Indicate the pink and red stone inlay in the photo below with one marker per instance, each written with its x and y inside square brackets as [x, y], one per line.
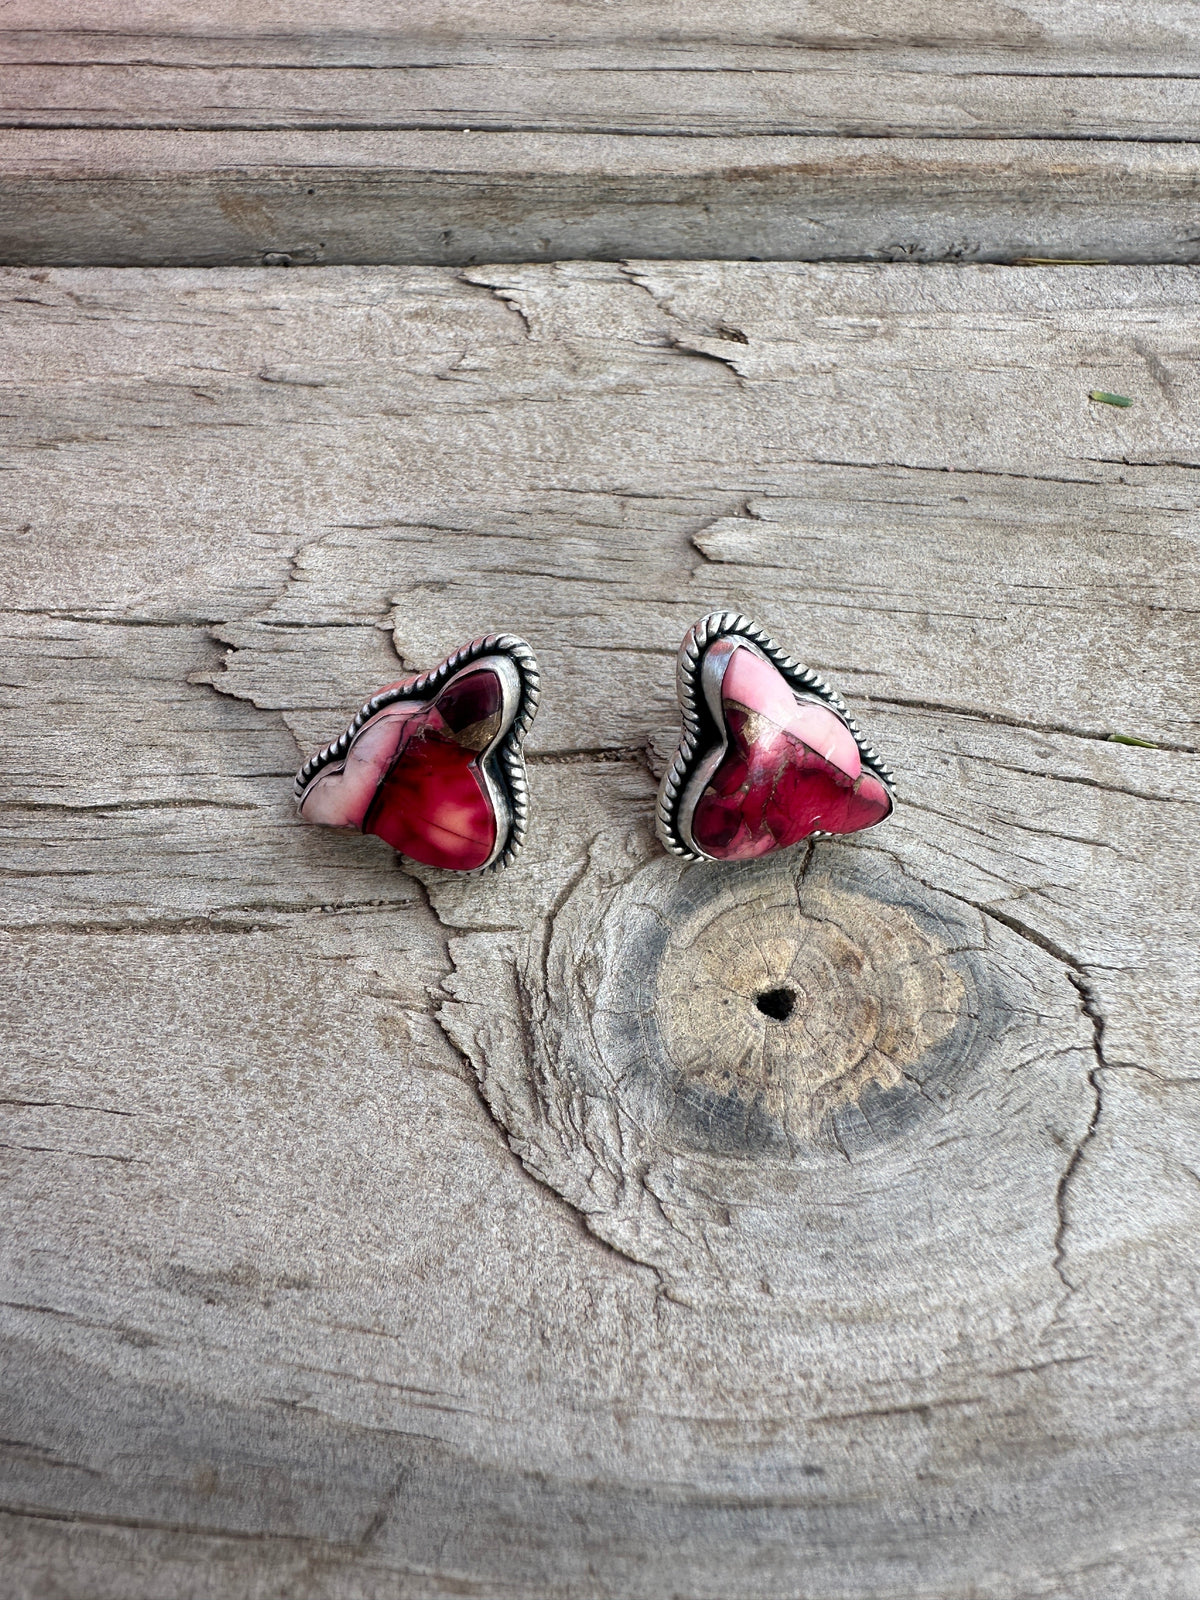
[791, 768]
[412, 775]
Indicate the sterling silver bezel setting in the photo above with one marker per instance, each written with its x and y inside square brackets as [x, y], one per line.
[502, 765]
[702, 737]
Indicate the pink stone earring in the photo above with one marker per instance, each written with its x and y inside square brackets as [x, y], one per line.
[433, 764]
[768, 756]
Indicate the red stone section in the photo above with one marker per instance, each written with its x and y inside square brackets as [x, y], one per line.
[412, 776]
[791, 769]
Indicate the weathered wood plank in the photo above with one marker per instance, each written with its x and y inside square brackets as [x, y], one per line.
[374, 33]
[210, 199]
[534, 92]
[164, 134]
[1062, 70]
[364, 1237]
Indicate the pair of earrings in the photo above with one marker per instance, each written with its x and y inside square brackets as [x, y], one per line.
[768, 756]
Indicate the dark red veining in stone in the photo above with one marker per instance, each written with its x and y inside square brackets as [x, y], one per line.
[792, 768]
[412, 776]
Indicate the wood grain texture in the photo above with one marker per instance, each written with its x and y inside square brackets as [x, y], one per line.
[172, 135]
[374, 1234]
[207, 199]
[204, 199]
[1030, 70]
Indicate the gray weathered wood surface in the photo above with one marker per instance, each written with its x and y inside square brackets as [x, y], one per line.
[733, 128]
[892, 68]
[371, 1234]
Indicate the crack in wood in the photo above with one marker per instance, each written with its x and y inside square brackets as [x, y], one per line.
[1091, 1009]
[1001, 719]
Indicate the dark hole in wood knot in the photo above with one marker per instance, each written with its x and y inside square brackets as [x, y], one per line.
[777, 1003]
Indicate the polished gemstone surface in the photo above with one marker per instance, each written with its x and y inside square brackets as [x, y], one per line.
[792, 768]
[412, 775]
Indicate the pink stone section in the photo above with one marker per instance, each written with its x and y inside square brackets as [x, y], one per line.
[754, 683]
[412, 776]
[340, 799]
[791, 769]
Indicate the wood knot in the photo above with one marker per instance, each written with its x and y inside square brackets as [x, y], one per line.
[751, 1074]
[778, 1002]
